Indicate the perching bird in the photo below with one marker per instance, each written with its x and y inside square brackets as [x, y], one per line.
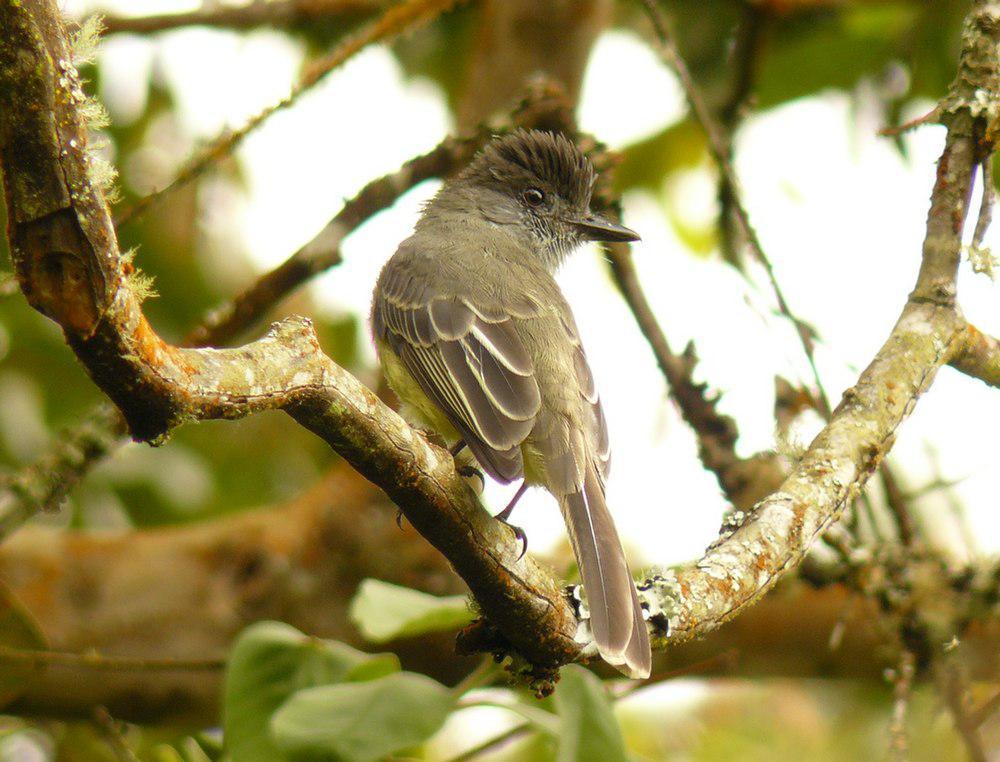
[477, 340]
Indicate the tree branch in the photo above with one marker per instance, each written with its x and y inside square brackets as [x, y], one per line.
[43, 485]
[250, 16]
[719, 148]
[747, 559]
[978, 355]
[394, 21]
[106, 592]
[744, 481]
[68, 265]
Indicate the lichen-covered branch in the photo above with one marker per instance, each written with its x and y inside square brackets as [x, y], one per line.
[68, 265]
[753, 553]
[978, 355]
[42, 485]
[249, 16]
[45, 483]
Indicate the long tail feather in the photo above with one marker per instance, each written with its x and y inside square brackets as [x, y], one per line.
[615, 615]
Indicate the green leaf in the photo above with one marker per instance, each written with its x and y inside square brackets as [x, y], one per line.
[647, 163]
[17, 630]
[589, 728]
[831, 49]
[385, 612]
[269, 662]
[361, 721]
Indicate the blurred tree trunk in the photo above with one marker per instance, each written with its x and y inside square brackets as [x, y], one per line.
[520, 39]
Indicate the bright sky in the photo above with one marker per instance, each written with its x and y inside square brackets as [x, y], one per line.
[840, 213]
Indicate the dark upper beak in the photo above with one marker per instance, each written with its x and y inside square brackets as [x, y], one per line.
[597, 228]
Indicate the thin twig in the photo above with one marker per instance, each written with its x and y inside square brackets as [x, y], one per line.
[744, 65]
[484, 672]
[393, 22]
[718, 148]
[44, 484]
[490, 744]
[898, 504]
[249, 16]
[101, 663]
[956, 695]
[902, 688]
[717, 433]
[985, 204]
[246, 309]
[113, 733]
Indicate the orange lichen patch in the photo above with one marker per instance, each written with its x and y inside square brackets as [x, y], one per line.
[151, 348]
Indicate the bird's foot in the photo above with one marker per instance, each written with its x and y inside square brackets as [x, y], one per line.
[504, 515]
[399, 517]
[520, 536]
[467, 472]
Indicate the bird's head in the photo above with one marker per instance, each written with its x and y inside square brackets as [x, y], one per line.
[539, 184]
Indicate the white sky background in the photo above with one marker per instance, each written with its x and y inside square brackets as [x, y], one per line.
[840, 212]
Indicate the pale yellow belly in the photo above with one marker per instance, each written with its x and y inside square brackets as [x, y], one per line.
[417, 406]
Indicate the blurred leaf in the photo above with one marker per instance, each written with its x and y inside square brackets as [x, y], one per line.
[589, 728]
[17, 630]
[269, 662]
[441, 51]
[362, 721]
[647, 163]
[825, 49]
[384, 612]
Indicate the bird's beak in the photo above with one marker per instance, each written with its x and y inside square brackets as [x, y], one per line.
[597, 228]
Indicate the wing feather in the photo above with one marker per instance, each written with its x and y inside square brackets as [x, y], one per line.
[471, 362]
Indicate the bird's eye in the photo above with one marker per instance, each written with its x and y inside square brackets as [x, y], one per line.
[533, 197]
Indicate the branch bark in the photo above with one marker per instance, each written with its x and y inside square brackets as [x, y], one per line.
[184, 593]
[978, 355]
[250, 16]
[43, 485]
[517, 40]
[68, 265]
[749, 557]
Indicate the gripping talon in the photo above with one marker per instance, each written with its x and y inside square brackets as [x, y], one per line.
[520, 535]
[470, 471]
[399, 518]
[505, 514]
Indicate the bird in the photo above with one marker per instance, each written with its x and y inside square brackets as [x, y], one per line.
[479, 343]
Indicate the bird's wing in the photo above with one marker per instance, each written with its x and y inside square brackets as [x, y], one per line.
[469, 360]
[600, 443]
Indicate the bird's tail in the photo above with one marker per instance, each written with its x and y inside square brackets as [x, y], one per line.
[615, 615]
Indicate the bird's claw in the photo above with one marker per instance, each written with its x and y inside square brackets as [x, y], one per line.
[469, 471]
[399, 517]
[522, 538]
